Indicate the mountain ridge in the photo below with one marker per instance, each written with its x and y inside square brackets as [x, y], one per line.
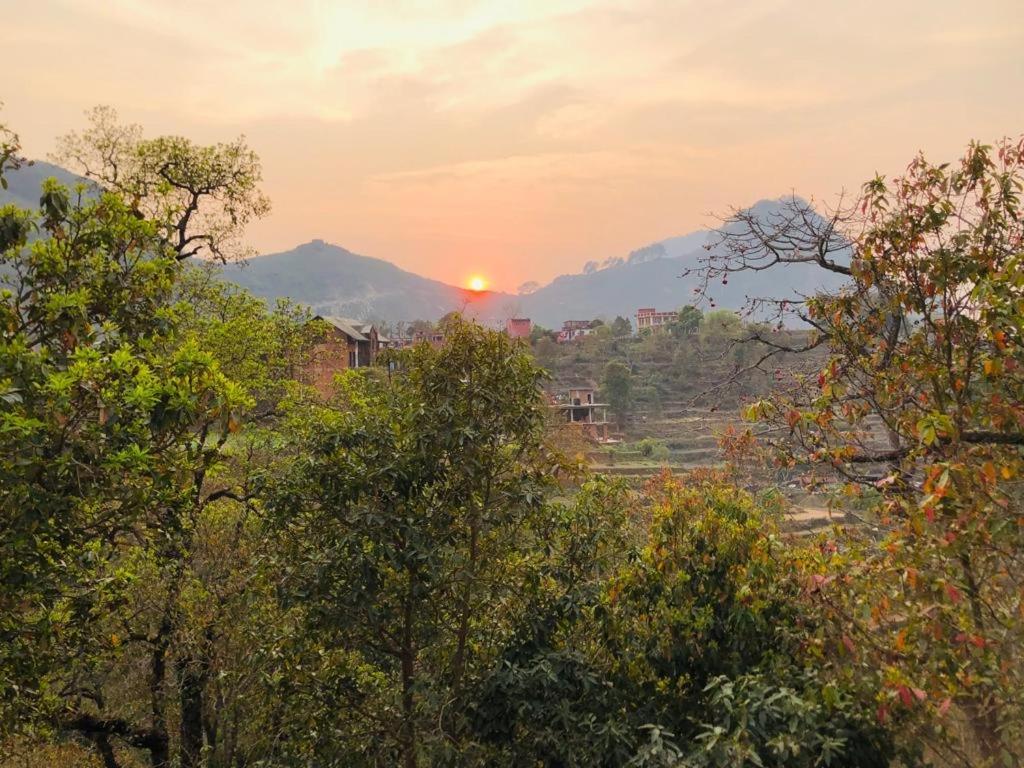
[331, 279]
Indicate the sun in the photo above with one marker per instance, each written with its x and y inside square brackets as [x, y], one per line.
[477, 283]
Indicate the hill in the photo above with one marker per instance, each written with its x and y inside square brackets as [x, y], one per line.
[25, 183]
[333, 280]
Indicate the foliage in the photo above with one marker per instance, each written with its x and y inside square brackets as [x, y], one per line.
[616, 386]
[408, 511]
[652, 449]
[689, 321]
[621, 327]
[922, 398]
[199, 197]
[102, 411]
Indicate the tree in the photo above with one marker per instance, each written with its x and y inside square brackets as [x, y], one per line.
[200, 197]
[408, 509]
[102, 409]
[921, 399]
[616, 386]
[688, 321]
[621, 327]
[10, 148]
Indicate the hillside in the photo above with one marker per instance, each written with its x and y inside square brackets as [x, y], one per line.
[336, 281]
[24, 184]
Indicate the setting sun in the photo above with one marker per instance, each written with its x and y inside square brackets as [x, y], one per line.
[477, 283]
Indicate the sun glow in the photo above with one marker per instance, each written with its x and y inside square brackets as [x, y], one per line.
[477, 283]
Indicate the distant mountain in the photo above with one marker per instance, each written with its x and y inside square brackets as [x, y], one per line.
[652, 276]
[24, 185]
[335, 281]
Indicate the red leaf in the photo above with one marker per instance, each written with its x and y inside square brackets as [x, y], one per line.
[905, 696]
[944, 706]
[953, 593]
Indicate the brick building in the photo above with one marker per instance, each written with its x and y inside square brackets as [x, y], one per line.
[345, 344]
[518, 327]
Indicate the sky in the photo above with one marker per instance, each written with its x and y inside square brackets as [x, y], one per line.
[518, 140]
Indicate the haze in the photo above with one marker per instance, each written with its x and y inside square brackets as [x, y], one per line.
[519, 140]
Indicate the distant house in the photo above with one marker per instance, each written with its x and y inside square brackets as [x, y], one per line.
[574, 329]
[518, 327]
[433, 338]
[580, 409]
[347, 344]
[650, 319]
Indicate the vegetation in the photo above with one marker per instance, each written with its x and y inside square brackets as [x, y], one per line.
[204, 563]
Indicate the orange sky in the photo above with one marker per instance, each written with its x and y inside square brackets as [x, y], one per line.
[520, 139]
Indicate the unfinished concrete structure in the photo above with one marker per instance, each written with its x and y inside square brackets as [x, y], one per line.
[580, 409]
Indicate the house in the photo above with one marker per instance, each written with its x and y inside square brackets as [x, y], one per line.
[650, 319]
[579, 408]
[518, 327]
[346, 344]
[574, 329]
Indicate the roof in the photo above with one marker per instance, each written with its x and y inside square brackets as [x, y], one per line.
[346, 326]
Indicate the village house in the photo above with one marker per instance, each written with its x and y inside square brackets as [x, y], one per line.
[518, 327]
[574, 329]
[580, 408]
[650, 319]
[346, 344]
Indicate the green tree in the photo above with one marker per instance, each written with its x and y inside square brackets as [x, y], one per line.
[102, 411]
[200, 197]
[621, 327]
[616, 386]
[688, 321]
[408, 509]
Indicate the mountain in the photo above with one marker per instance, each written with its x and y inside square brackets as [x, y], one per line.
[654, 276]
[335, 281]
[24, 184]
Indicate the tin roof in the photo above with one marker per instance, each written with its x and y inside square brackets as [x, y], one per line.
[351, 328]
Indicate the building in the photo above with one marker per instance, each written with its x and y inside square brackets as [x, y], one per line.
[518, 327]
[346, 344]
[650, 319]
[574, 329]
[580, 408]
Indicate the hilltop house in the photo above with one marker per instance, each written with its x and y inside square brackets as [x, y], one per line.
[518, 327]
[650, 319]
[346, 344]
[574, 329]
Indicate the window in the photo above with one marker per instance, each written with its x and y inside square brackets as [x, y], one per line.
[352, 359]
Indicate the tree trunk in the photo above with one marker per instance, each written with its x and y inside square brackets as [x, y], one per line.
[191, 684]
[408, 659]
[984, 715]
[106, 751]
[160, 750]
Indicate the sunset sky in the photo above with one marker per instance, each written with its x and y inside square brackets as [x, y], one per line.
[520, 139]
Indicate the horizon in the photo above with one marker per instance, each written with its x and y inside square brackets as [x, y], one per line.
[519, 143]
